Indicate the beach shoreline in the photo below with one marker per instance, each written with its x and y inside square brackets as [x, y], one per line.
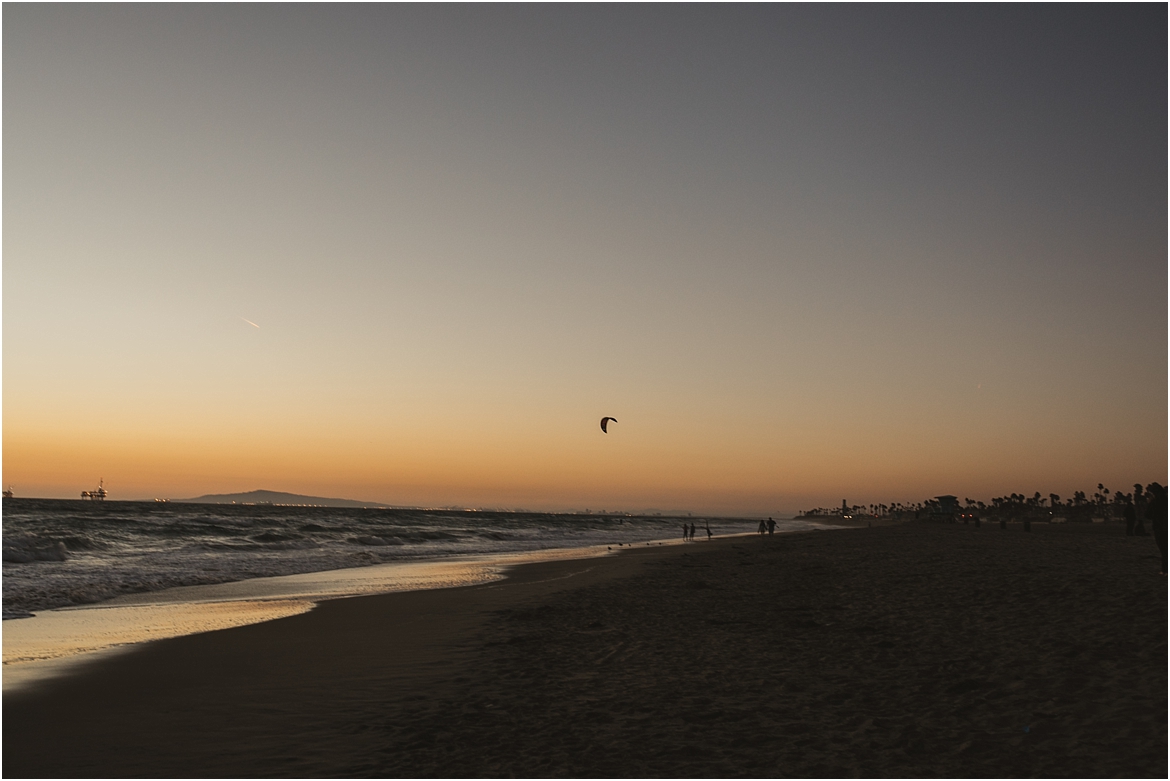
[51, 642]
[907, 650]
[66, 554]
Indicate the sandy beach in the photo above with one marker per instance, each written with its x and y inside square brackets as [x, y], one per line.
[908, 650]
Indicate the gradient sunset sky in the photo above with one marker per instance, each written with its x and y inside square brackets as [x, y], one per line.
[413, 254]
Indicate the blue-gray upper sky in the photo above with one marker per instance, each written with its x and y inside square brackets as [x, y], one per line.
[805, 251]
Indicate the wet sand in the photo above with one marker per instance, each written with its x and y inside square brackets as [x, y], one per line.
[910, 650]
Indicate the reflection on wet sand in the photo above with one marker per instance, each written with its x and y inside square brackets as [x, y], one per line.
[55, 640]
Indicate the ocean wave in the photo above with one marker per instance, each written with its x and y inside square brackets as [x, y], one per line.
[376, 541]
[25, 550]
[275, 536]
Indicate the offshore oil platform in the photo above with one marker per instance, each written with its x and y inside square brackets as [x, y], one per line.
[97, 494]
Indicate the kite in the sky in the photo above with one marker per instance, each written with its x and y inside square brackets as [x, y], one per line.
[605, 422]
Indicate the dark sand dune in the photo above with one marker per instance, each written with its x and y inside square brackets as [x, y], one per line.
[913, 650]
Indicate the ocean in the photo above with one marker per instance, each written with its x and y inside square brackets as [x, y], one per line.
[60, 553]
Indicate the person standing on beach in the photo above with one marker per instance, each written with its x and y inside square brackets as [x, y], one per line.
[708, 524]
[771, 526]
[686, 533]
[763, 528]
[1156, 512]
[692, 532]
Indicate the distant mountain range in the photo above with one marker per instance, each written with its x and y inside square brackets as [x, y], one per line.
[279, 497]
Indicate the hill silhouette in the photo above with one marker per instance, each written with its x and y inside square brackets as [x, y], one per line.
[279, 497]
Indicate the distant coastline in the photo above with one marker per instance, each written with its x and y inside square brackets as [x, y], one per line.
[280, 498]
[285, 499]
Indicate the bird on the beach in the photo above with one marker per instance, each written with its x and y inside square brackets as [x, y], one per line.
[604, 422]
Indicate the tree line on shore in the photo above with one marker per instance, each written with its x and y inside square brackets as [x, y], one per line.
[1103, 503]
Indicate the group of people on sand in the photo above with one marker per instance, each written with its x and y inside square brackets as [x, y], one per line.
[767, 527]
[689, 532]
[1134, 526]
[1156, 511]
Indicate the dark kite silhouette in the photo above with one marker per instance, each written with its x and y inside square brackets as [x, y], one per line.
[604, 422]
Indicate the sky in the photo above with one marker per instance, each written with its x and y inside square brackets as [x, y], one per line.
[412, 254]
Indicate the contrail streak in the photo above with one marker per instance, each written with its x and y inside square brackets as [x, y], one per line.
[249, 322]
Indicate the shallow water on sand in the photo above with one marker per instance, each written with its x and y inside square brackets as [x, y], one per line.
[55, 641]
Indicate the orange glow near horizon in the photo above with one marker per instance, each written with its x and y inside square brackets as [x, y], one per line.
[640, 465]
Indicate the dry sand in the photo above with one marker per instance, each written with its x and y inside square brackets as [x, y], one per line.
[912, 650]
